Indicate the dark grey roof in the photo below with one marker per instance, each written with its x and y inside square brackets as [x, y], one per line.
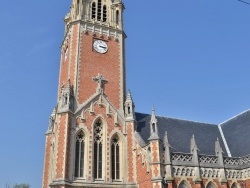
[180, 133]
[237, 134]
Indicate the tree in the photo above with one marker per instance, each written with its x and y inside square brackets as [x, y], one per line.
[21, 185]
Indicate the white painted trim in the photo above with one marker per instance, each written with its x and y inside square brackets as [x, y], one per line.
[224, 141]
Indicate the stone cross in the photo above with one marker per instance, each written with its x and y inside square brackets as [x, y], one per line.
[101, 81]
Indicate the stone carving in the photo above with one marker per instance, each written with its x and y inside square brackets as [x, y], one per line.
[144, 153]
[183, 171]
[182, 157]
[101, 81]
[231, 161]
[245, 160]
[208, 159]
[210, 173]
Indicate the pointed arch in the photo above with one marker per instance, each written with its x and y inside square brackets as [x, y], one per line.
[234, 185]
[104, 16]
[115, 156]
[117, 17]
[98, 148]
[210, 185]
[93, 13]
[79, 154]
[99, 10]
[184, 184]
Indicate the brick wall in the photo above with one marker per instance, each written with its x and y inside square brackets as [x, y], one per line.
[93, 63]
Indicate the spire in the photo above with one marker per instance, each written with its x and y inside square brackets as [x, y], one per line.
[153, 126]
[194, 150]
[166, 143]
[168, 167]
[218, 149]
[219, 154]
[129, 107]
[193, 146]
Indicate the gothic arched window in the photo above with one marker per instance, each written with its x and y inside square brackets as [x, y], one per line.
[99, 10]
[115, 157]
[79, 155]
[104, 13]
[93, 10]
[234, 185]
[98, 144]
[183, 184]
[117, 17]
[210, 185]
[153, 127]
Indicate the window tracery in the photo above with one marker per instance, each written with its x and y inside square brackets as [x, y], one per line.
[104, 13]
[98, 145]
[115, 157]
[210, 185]
[99, 10]
[183, 184]
[93, 10]
[234, 185]
[79, 154]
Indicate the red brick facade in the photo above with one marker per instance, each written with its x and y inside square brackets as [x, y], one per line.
[82, 101]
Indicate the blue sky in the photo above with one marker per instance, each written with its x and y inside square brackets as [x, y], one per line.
[188, 58]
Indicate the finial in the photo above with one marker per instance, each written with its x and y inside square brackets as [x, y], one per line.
[129, 97]
[153, 117]
[153, 126]
[193, 145]
[165, 142]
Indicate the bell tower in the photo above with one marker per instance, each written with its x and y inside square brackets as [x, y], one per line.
[90, 138]
[94, 45]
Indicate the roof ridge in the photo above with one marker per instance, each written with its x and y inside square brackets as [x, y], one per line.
[248, 110]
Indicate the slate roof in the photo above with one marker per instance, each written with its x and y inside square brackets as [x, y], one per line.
[180, 133]
[237, 134]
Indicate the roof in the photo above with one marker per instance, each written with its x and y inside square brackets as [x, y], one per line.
[180, 133]
[237, 134]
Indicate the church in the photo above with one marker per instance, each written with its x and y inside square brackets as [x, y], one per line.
[96, 139]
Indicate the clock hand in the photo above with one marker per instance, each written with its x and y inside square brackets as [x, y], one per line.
[104, 47]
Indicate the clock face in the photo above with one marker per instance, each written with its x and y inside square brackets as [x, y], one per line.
[100, 46]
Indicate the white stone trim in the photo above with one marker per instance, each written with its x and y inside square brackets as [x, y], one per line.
[224, 141]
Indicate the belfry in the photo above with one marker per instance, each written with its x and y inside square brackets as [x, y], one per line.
[96, 139]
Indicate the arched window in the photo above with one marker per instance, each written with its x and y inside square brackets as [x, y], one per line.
[117, 17]
[183, 184]
[115, 157]
[99, 10]
[79, 155]
[153, 126]
[98, 144]
[104, 13]
[234, 185]
[210, 185]
[93, 10]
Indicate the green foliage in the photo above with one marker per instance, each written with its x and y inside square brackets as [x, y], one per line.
[21, 186]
